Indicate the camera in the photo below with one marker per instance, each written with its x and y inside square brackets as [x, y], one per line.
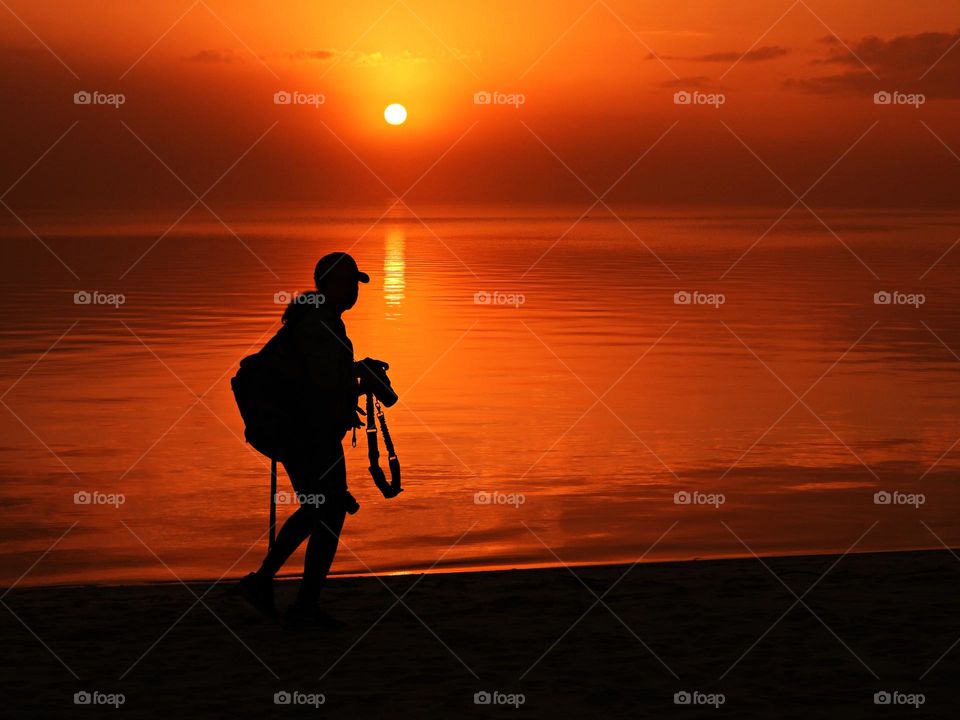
[373, 379]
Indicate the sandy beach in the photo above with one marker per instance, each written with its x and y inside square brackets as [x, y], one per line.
[537, 641]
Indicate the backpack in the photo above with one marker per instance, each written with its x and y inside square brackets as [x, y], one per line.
[265, 404]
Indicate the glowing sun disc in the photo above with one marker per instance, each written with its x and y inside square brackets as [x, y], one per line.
[395, 114]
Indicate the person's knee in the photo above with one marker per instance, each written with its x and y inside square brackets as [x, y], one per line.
[328, 520]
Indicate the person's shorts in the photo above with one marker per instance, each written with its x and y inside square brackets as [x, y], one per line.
[318, 472]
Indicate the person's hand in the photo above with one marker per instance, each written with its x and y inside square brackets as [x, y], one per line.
[357, 421]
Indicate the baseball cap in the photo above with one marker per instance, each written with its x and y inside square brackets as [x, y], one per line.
[338, 263]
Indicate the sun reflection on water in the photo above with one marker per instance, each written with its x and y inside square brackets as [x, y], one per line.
[394, 280]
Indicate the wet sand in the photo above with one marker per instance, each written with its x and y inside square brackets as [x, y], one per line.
[873, 623]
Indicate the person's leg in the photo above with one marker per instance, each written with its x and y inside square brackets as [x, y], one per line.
[301, 469]
[326, 520]
[294, 531]
[321, 549]
[307, 468]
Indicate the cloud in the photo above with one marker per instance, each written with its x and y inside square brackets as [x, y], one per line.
[357, 58]
[769, 52]
[928, 62]
[322, 55]
[353, 58]
[214, 56]
[900, 53]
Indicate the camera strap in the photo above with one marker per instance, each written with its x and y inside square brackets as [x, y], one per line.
[392, 488]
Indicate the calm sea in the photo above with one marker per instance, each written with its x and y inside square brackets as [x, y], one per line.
[598, 391]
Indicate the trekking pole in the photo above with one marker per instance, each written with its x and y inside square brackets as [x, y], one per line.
[273, 503]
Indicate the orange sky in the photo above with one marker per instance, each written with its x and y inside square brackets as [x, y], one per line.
[598, 81]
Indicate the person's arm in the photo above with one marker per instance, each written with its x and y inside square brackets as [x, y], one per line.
[324, 360]
[328, 361]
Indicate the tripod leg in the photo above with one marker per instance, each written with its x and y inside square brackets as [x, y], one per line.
[273, 502]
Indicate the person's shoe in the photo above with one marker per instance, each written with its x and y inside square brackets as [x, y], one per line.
[259, 594]
[299, 616]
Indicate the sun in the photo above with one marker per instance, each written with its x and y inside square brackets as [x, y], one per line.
[395, 114]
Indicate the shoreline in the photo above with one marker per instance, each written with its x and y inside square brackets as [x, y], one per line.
[294, 576]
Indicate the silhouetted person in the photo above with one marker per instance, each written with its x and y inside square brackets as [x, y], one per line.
[311, 358]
